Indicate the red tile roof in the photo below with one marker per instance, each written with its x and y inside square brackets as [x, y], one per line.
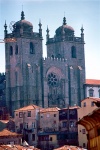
[53, 109]
[29, 107]
[96, 99]
[92, 81]
[5, 133]
[69, 147]
[18, 147]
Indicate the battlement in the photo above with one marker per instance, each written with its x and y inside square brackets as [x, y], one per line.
[55, 59]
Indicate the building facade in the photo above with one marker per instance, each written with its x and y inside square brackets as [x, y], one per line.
[91, 122]
[68, 129]
[92, 88]
[8, 137]
[26, 121]
[48, 128]
[54, 81]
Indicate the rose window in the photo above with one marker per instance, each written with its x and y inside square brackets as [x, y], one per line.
[52, 80]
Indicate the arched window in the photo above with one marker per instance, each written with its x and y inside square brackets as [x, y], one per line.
[32, 50]
[11, 50]
[73, 51]
[16, 49]
[91, 91]
[99, 93]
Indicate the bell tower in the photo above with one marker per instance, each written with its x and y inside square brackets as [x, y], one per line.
[23, 65]
[65, 72]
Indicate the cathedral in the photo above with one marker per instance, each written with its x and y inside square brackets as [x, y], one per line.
[57, 80]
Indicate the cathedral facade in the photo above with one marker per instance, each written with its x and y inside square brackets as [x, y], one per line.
[54, 81]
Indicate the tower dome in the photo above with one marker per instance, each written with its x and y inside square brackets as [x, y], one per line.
[64, 29]
[23, 24]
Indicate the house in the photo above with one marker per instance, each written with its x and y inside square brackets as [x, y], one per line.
[8, 137]
[91, 122]
[9, 124]
[92, 88]
[87, 106]
[48, 128]
[68, 133]
[26, 120]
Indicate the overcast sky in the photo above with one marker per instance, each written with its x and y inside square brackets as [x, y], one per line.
[51, 13]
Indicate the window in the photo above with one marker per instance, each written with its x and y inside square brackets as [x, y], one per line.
[64, 124]
[83, 131]
[20, 114]
[71, 124]
[16, 49]
[16, 114]
[11, 50]
[33, 137]
[33, 124]
[52, 80]
[41, 116]
[54, 121]
[32, 50]
[73, 51]
[99, 93]
[29, 114]
[92, 104]
[50, 138]
[48, 115]
[84, 145]
[84, 104]
[91, 92]
[27, 125]
[54, 115]
[21, 126]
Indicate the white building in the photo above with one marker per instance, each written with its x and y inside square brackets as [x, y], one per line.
[92, 88]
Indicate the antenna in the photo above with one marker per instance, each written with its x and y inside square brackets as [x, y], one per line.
[22, 7]
[64, 13]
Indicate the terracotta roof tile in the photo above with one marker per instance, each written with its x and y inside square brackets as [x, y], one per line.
[91, 98]
[19, 147]
[6, 132]
[72, 107]
[29, 107]
[69, 147]
[92, 81]
[53, 109]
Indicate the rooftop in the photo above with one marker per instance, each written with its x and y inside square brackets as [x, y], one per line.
[5, 133]
[53, 109]
[92, 81]
[95, 99]
[29, 107]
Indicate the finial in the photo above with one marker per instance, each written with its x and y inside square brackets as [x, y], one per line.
[22, 15]
[82, 29]
[40, 23]
[5, 25]
[47, 30]
[64, 20]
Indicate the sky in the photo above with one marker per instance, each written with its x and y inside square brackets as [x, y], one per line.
[78, 13]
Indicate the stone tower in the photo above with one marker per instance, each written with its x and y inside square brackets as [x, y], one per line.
[64, 68]
[23, 65]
